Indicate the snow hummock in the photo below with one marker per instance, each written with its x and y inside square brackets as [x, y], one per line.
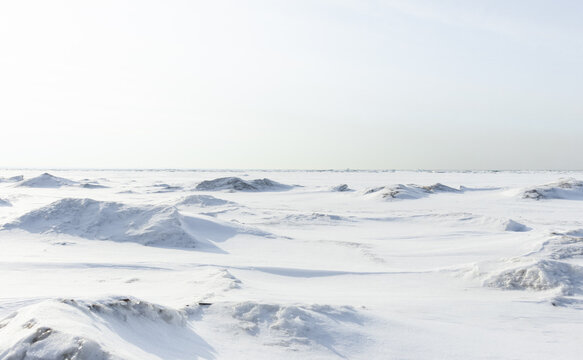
[238, 184]
[410, 191]
[563, 189]
[4, 202]
[91, 219]
[47, 180]
[541, 275]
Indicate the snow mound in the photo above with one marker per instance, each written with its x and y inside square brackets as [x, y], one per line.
[341, 188]
[91, 219]
[289, 325]
[511, 225]
[570, 189]
[5, 202]
[237, 184]
[47, 180]
[115, 328]
[203, 201]
[410, 191]
[542, 275]
[12, 179]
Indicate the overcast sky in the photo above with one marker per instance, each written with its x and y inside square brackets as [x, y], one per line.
[392, 84]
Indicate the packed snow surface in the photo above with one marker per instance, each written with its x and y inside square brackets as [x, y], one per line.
[146, 265]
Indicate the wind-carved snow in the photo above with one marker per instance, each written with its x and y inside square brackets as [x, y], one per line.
[569, 189]
[101, 220]
[4, 202]
[296, 325]
[238, 184]
[410, 191]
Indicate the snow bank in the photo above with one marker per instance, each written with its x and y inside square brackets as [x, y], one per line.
[91, 219]
[203, 201]
[289, 325]
[237, 184]
[570, 189]
[410, 191]
[47, 180]
[115, 328]
[541, 275]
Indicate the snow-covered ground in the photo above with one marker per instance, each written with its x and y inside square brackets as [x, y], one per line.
[290, 265]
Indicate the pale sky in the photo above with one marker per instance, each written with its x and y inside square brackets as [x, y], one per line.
[393, 84]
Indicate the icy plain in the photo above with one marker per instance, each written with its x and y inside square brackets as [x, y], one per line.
[290, 265]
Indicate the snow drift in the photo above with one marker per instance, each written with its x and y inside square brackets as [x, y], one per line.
[238, 184]
[91, 219]
[410, 191]
[5, 202]
[114, 328]
[562, 189]
[47, 180]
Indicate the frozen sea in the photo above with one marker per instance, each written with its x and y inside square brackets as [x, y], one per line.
[146, 265]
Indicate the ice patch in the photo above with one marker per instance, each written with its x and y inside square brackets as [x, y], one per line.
[237, 184]
[91, 219]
